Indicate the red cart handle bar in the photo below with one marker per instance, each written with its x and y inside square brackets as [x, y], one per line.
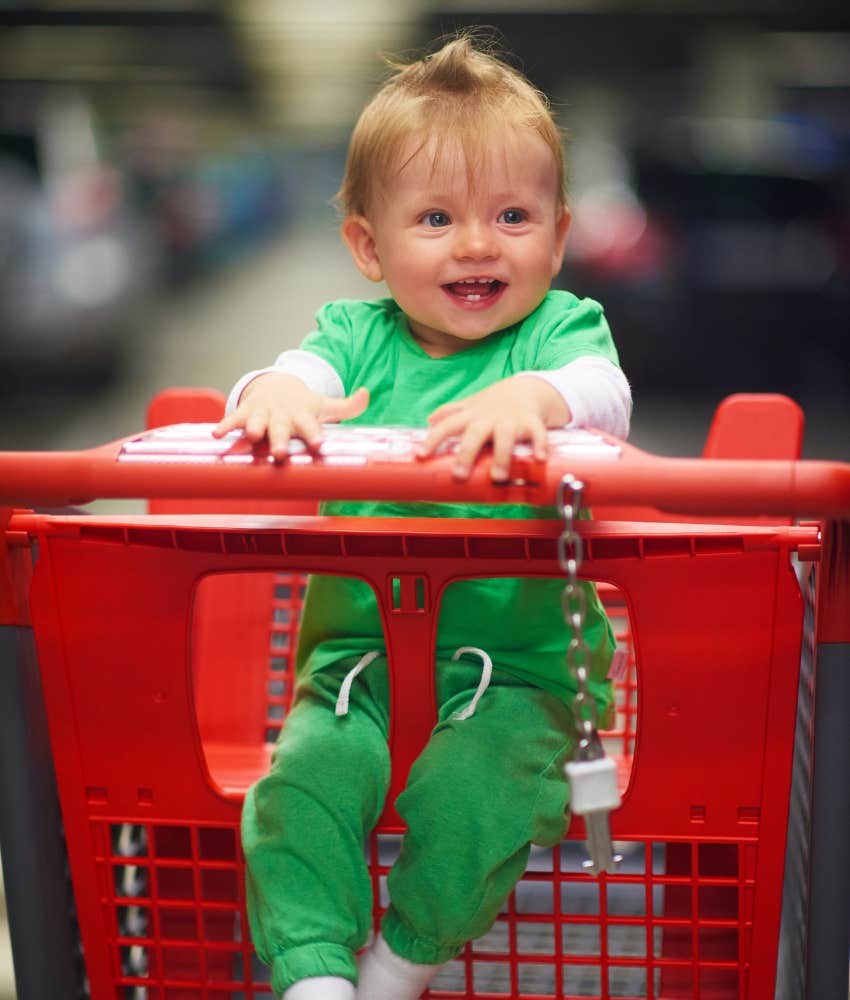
[362, 463]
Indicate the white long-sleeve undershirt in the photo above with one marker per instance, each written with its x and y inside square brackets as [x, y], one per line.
[594, 389]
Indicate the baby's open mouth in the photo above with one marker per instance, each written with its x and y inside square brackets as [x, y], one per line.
[475, 289]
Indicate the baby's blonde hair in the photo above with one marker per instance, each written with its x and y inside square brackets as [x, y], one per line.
[460, 92]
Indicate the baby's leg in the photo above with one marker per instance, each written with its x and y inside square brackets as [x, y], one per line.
[303, 826]
[481, 793]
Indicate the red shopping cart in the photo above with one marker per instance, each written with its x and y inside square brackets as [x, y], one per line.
[150, 767]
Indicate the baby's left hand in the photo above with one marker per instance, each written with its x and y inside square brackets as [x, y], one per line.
[513, 410]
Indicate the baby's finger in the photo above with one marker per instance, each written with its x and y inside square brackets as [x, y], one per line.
[279, 432]
[308, 428]
[439, 433]
[446, 410]
[472, 441]
[228, 423]
[504, 439]
[539, 440]
[257, 424]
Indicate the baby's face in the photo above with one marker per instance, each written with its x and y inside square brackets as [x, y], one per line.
[465, 260]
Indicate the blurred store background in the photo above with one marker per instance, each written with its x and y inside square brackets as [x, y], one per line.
[166, 168]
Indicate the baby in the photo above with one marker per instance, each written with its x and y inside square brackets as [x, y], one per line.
[454, 196]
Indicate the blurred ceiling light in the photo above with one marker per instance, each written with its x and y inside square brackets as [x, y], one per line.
[317, 61]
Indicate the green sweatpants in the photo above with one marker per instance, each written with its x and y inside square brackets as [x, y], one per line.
[482, 791]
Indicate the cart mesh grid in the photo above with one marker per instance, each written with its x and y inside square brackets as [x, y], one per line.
[175, 904]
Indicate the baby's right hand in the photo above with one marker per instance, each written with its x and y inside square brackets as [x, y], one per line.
[277, 406]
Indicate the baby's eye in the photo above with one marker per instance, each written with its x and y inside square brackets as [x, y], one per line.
[513, 216]
[436, 220]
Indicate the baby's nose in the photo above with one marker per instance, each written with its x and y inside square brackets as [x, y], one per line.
[475, 241]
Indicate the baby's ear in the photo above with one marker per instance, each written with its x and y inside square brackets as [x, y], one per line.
[562, 227]
[358, 237]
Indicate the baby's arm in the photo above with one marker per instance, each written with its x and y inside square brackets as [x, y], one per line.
[589, 391]
[278, 405]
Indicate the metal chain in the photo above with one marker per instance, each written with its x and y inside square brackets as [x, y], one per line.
[574, 603]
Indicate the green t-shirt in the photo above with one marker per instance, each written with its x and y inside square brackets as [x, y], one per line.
[519, 622]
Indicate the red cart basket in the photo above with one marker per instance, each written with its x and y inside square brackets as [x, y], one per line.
[163, 645]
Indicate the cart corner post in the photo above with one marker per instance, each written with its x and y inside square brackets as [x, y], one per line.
[829, 878]
[38, 894]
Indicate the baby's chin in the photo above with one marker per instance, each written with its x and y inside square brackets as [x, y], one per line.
[460, 328]
[440, 342]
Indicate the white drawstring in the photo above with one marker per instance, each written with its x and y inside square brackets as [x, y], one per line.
[364, 661]
[483, 684]
[345, 689]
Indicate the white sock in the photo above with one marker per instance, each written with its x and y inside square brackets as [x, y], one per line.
[383, 975]
[321, 988]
